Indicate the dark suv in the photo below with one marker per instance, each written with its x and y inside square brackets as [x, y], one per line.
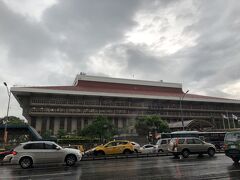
[190, 145]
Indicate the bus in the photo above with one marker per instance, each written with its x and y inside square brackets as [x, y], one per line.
[216, 138]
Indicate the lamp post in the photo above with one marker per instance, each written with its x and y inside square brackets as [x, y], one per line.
[6, 121]
[181, 99]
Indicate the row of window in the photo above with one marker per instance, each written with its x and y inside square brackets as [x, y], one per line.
[39, 146]
[122, 111]
[150, 105]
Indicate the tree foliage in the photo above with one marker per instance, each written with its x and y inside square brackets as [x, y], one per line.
[100, 128]
[61, 133]
[146, 124]
[12, 120]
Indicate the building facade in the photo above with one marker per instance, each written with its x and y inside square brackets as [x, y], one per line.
[120, 100]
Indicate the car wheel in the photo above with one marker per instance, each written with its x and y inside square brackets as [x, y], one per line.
[127, 151]
[235, 159]
[26, 162]
[185, 153]
[135, 150]
[70, 160]
[160, 151]
[211, 152]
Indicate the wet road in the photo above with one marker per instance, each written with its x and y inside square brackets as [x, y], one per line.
[165, 167]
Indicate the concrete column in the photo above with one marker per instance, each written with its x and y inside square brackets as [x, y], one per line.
[65, 124]
[74, 124]
[56, 125]
[48, 122]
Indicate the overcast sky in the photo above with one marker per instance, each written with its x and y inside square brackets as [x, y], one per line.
[48, 42]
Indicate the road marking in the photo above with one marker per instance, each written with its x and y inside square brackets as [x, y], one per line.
[37, 175]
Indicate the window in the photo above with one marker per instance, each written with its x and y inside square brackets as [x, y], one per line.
[27, 146]
[149, 146]
[164, 142]
[50, 146]
[181, 141]
[190, 141]
[34, 146]
[111, 144]
[122, 142]
[197, 141]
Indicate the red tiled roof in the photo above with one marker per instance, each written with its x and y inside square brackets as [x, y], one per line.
[104, 87]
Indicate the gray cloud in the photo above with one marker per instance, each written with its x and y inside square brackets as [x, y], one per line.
[53, 50]
[26, 41]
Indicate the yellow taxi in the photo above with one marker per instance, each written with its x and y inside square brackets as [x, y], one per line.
[114, 147]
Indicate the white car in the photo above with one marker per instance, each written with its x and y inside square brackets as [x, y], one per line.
[162, 145]
[136, 147]
[149, 148]
[34, 152]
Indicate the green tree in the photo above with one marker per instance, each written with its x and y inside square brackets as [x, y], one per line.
[61, 133]
[47, 134]
[146, 124]
[12, 120]
[100, 128]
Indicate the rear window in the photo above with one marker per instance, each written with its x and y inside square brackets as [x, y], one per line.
[164, 142]
[232, 137]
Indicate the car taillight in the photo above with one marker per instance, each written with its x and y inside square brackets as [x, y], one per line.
[14, 153]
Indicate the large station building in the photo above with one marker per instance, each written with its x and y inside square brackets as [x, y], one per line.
[122, 100]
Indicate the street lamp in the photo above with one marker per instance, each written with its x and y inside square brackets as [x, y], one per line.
[5, 129]
[181, 99]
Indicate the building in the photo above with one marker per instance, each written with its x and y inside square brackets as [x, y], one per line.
[121, 100]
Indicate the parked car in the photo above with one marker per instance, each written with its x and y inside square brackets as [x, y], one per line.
[136, 147]
[78, 147]
[148, 148]
[30, 153]
[190, 145]
[8, 158]
[232, 145]
[5, 153]
[115, 147]
[162, 145]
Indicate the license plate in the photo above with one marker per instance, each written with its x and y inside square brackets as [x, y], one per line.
[233, 147]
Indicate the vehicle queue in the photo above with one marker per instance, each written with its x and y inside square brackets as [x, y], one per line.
[30, 153]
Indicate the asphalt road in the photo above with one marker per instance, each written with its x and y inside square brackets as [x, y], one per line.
[164, 167]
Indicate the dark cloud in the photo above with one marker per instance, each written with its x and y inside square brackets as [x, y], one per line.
[88, 25]
[26, 41]
[73, 32]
